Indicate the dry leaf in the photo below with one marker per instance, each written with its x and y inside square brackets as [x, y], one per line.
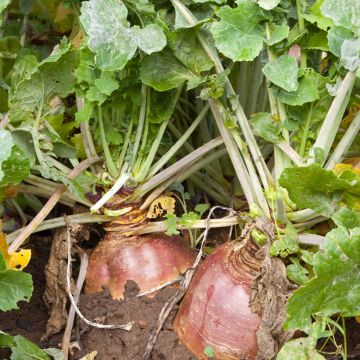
[161, 206]
[55, 295]
[15, 260]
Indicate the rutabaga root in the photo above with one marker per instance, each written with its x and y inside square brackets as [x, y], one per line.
[184, 284]
[126, 327]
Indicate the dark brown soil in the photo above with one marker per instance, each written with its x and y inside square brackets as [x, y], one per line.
[124, 345]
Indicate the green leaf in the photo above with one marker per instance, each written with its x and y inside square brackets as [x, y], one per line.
[3, 5]
[268, 4]
[316, 41]
[336, 37]
[187, 49]
[53, 77]
[171, 222]
[296, 272]
[266, 127]
[239, 35]
[188, 219]
[201, 208]
[345, 13]
[163, 71]
[111, 38]
[335, 288]
[287, 243]
[143, 6]
[14, 286]
[107, 83]
[314, 187]
[6, 142]
[283, 72]
[278, 33]
[299, 349]
[350, 54]
[16, 168]
[24, 349]
[347, 218]
[307, 90]
[162, 105]
[6, 340]
[315, 16]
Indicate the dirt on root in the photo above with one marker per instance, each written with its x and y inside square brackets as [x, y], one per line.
[129, 345]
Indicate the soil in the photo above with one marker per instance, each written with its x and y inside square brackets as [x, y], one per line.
[129, 345]
[30, 321]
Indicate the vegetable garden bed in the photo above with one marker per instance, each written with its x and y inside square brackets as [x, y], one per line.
[179, 179]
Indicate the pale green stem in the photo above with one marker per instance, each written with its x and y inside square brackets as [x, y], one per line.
[140, 126]
[210, 168]
[254, 88]
[119, 183]
[176, 168]
[301, 28]
[235, 156]
[113, 171]
[333, 119]
[38, 219]
[120, 161]
[291, 153]
[200, 164]
[84, 218]
[306, 132]
[252, 174]
[87, 138]
[344, 143]
[164, 159]
[242, 81]
[264, 172]
[145, 166]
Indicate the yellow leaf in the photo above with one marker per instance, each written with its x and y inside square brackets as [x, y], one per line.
[357, 318]
[15, 260]
[161, 206]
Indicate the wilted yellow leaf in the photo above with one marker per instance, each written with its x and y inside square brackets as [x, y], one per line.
[15, 260]
[90, 356]
[161, 206]
[357, 318]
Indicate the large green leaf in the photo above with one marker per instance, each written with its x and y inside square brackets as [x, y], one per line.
[112, 39]
[283, 72]
[315, 16]
[187, 49]
[163, 71]
[268, 4]
[266, 127]
[278, 33]
[336, 37]
[335, 287]
[239, 35]
[3, 5]
[307, 90]
[22, 349]
[314, 187]
[14, 286]
[52, 78]
[26, 350]
[6, 142]
[16, 168]
[350, 54]
[345, 13]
